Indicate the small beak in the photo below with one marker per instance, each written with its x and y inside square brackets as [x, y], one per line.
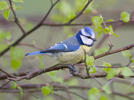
[94, 39]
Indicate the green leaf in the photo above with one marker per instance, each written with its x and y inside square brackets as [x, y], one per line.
[2, 36]
[92, 97]
[13, 85]
[18, 1]
[41, 61]
[15, 63]
[125, 16]
[103, 97]
[89, 8]
[131, 60]
[4, 61]
[106, 89]
[108, 65]
[16, 53]
[54, 77]
[6, 14]
[111, 74]
[29, 26]
[126, 71]
[72, 82]
[2, 46]
[46, 90]
[66, 10]
[98, 29]
[109, 30]
[93, 91]
[89, 60]
[7, 35]
[3, 5]
[97, 20]
[57, 18]
[92, 70]
[20, 90]
[101, 50]
[79, 5]
[126, 53]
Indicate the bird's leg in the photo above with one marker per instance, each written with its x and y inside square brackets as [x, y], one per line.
[72, 69]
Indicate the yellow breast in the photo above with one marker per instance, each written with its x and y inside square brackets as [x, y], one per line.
[86, 48]
[72, 57]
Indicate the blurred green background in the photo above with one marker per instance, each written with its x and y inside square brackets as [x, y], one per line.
[32, 12]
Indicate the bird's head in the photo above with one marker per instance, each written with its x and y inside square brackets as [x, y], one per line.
[86, 36]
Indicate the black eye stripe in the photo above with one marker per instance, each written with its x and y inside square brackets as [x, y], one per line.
[87, 36]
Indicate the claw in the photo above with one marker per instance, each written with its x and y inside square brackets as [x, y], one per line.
[72, 69]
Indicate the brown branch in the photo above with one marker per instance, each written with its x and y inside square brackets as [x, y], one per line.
[29, 75]
[30, 88]
[76, 94]
[1, 70]
[114, 51]
[85, 24]
[80, 13]
[61, 96]
[66, 24]
[15, 18]
[123, 95]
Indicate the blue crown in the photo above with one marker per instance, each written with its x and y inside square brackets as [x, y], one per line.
[88, 30]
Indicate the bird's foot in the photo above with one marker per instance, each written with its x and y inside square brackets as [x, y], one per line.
[72, 69]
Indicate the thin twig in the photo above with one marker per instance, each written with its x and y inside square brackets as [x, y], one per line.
[82, 24]
[123, 95]
[3, 85]
[114, 51]
[6, 73]
[15, 18]
[80, 13]
[29, 75]
[30, 31]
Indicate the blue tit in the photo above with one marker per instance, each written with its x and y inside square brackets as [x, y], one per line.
[71, 50]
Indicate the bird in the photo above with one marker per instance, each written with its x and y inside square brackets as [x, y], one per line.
[72, 50]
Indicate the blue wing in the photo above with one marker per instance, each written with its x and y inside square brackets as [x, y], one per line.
[61, 47]
[68, 45]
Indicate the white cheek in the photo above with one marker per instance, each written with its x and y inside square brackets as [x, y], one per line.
[83, 32]
[93, 35]
[86, 40]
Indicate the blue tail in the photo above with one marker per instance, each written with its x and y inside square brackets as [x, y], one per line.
[34, 53]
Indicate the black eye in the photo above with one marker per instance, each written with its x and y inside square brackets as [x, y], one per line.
[89, 37]
[94, 39]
